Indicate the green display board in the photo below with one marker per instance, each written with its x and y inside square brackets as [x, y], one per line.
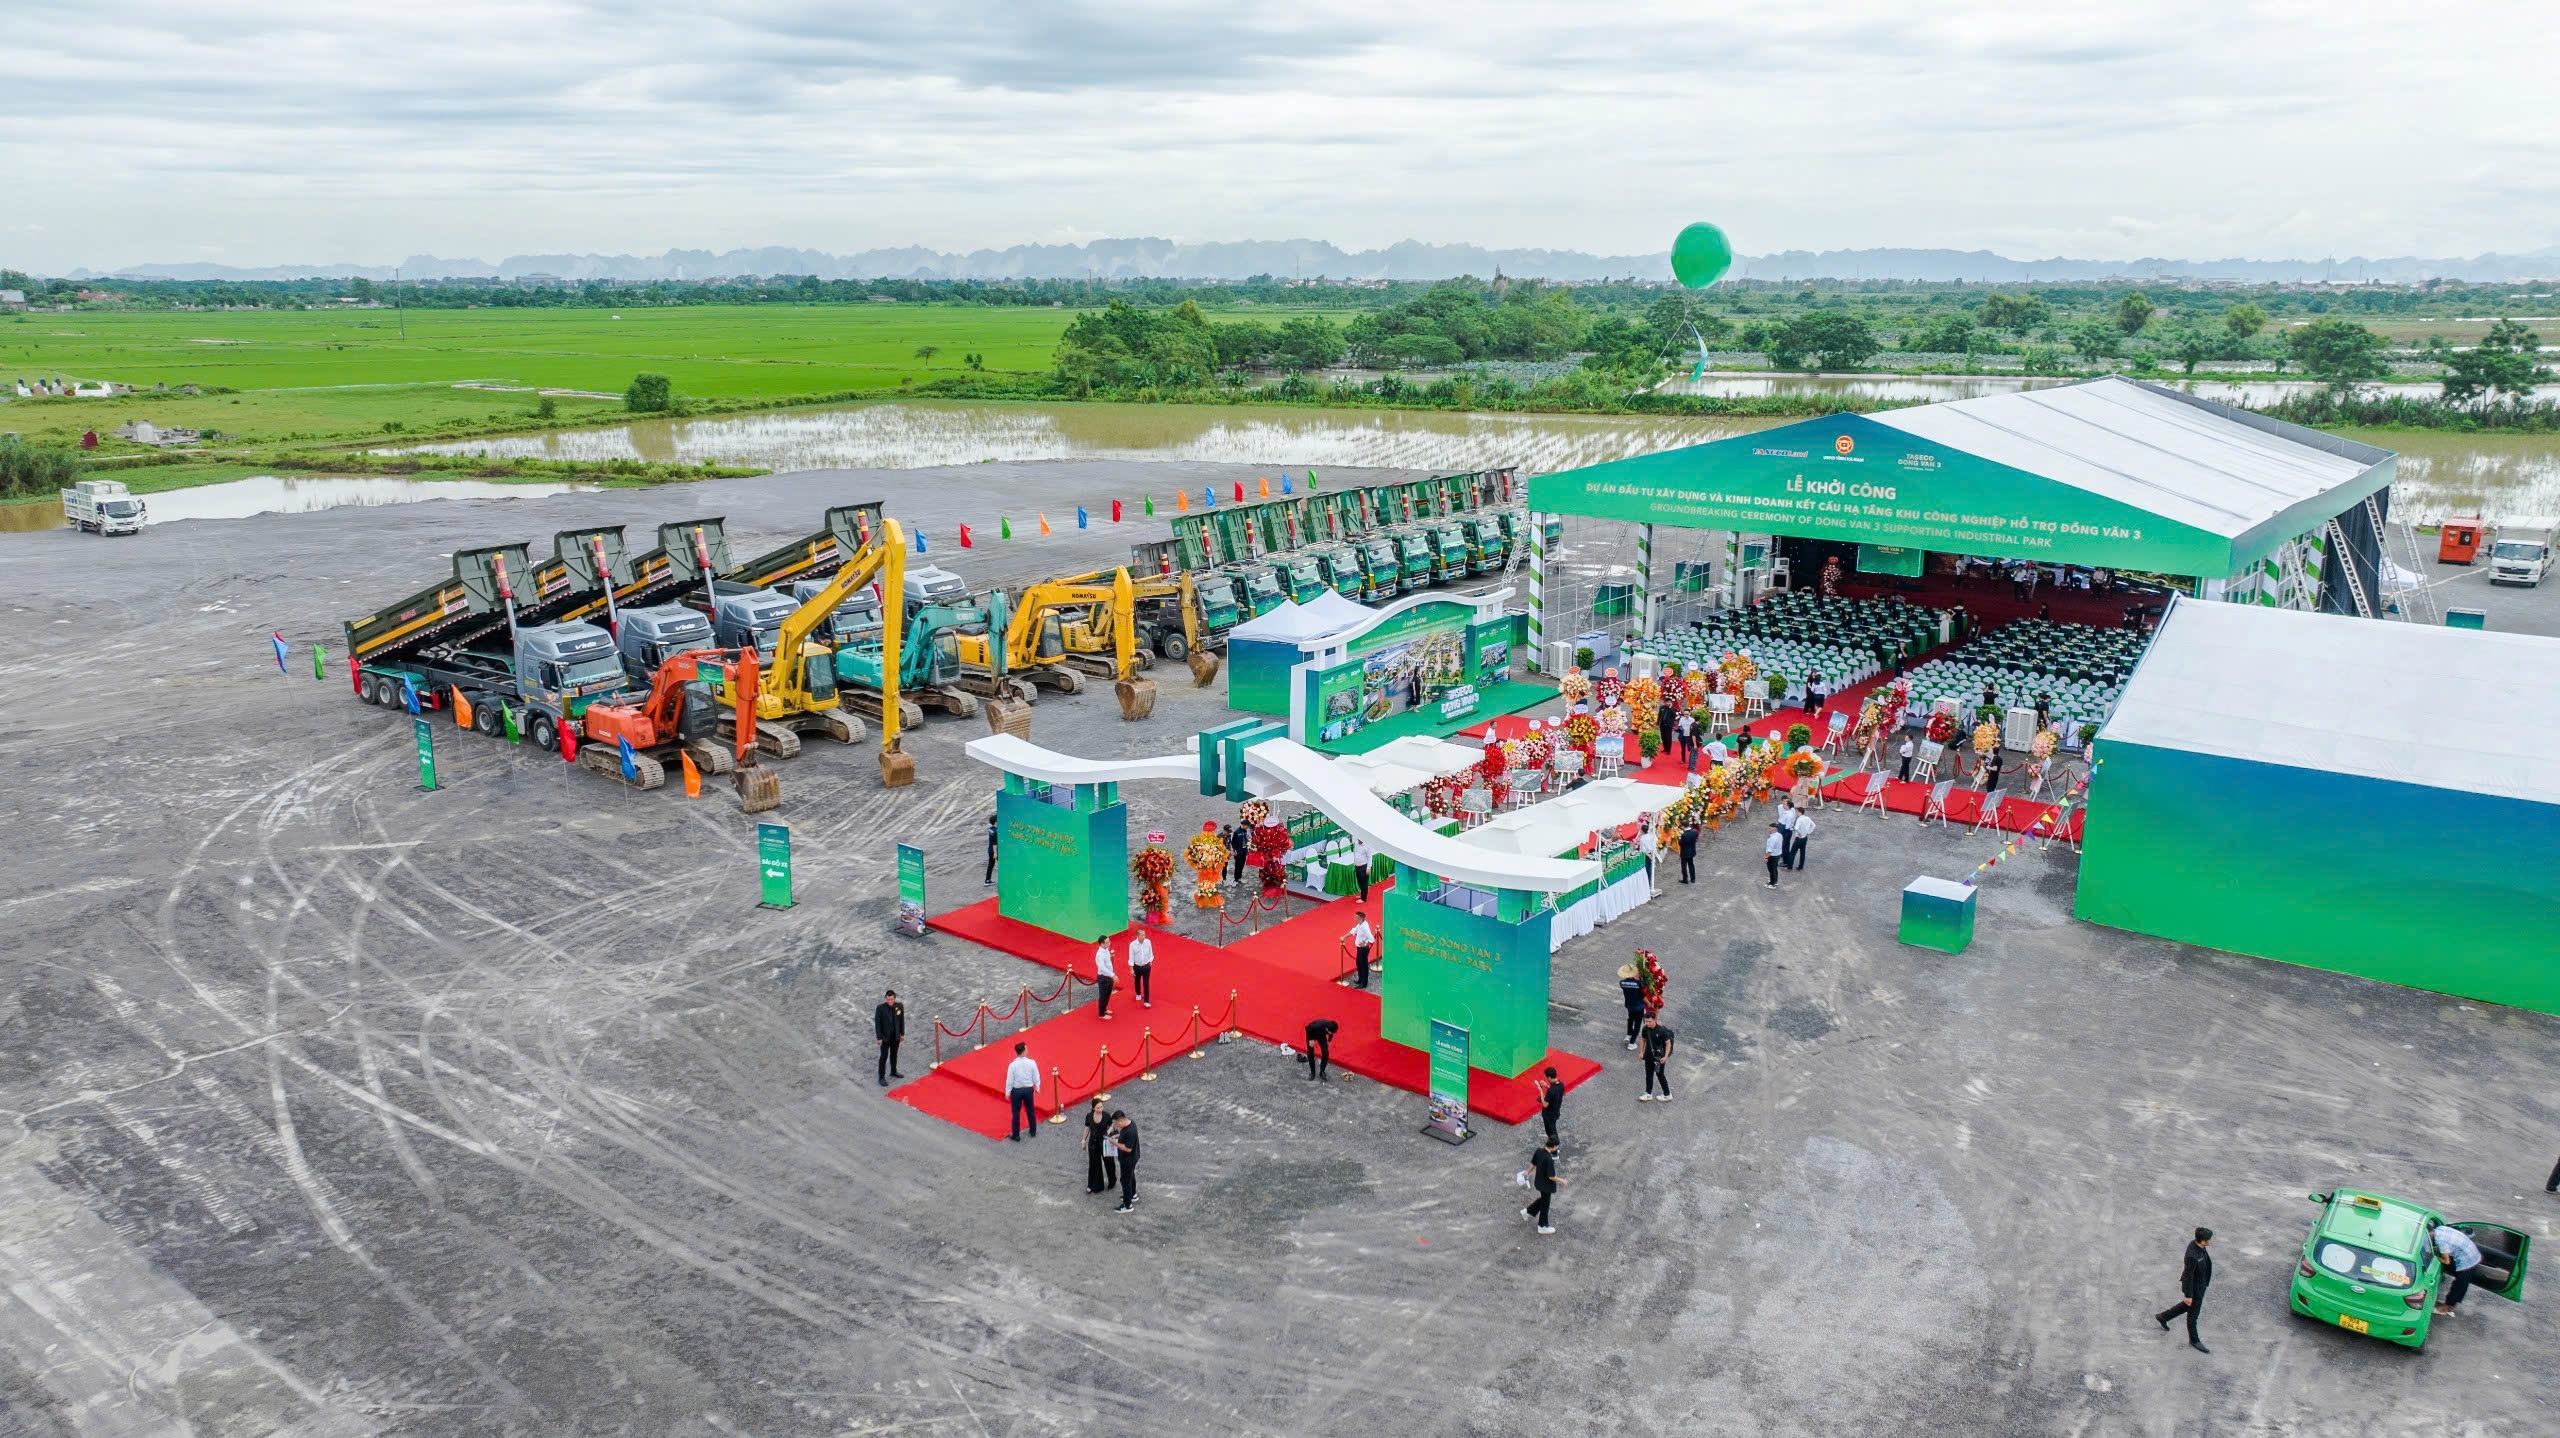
[1890, 559]
[911, 889]
[1448, 1096]
[773, 865]
[426, 756]
[1484, 972]
[1063, 867]
[1937, 914]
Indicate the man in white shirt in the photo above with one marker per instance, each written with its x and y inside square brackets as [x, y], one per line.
[1909, 749]
[1363, 940]
[1797, 836]
[1021, 1086]
[1360, 864]
[1775, 850]
[1105, 978]
[1142, 967]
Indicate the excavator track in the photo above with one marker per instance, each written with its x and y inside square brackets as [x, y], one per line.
[607, 760]
[711, 758]
[771, 738]
[1059, 677]
[866, 702]
[834, 723]
[958, 703]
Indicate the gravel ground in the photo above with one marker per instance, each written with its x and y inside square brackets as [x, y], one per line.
[338, 1108]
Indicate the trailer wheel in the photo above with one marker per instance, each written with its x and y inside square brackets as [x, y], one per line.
[386, 693]
[546, 735]
[484, 716]
[1172, 645]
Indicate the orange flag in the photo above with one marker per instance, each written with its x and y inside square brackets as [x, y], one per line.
[1182, 501]
[1266, 487]
[1044, 525]
[461, 711]
[692, 776]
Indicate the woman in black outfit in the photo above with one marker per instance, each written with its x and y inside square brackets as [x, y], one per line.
[1101, 1166]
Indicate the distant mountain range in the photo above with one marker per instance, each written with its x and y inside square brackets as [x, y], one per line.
[1410, 260]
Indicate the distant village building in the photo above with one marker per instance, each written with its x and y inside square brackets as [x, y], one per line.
[143, 431]
[14, 301]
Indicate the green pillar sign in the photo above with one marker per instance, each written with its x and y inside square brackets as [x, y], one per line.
[773, 864]
[426, 757]
[911, 886]
[1448, 1096]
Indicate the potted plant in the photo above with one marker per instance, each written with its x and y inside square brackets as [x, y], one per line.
[1583, 658]
[1799, 736]
[1649, 743]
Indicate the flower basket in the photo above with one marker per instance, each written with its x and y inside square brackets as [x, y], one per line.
[1152, 867]
[1986, 737]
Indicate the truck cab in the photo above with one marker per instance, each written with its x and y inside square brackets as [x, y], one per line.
[1260, 588]
[858, 612]
[2521, 556]
[1450, 559]
[1417, 552]
[1299, 577]
[745, 617]
[657, 633]
[1484, 542]
[1342, 569]
[1218, 612]
[1378, 555]
[102, 506]
[933, 584]
[562, 668]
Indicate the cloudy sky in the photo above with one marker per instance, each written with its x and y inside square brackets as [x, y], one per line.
[296, 131]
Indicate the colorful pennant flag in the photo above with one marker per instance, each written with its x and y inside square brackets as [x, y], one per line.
[692, 776]
[1284, 485]
[281, 651]
[1004, 527]
[920, 539]
[461, 710]
[319, 662]
[1080, 519]
[568, 743]
[507, 717]
[1181, 502]
[1239, 491]
[1265, 482]
[630, 763]
[1115, 509]
[964, 538]
[408, 694]
[1311, 479]
[1209, 496]
[1044, 524]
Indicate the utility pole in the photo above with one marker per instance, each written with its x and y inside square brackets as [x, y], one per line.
[396, 307]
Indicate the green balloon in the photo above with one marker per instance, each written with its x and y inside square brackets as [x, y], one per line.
[1700, 256]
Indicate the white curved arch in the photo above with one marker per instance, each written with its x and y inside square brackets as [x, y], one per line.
[1343, 796]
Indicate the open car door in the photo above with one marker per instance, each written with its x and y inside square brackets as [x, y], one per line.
[2502, 1250]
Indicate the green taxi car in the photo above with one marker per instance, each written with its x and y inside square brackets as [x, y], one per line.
[2367, 1266]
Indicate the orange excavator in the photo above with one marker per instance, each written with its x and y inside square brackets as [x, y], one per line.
[680, 716]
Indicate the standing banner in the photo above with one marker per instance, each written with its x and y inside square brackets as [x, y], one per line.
[426, 757]
[1448, 1084]
[773, 864]
[911, 890]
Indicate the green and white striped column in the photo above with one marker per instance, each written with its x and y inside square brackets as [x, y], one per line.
[1644, 580]
[1537, 592]
[1732, 568]
[2315, 564]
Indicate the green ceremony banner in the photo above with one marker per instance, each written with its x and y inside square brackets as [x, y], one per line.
[426, 756]
[1890, 559]
[911, 890]
[1847, 477]
[1448, 1122]
[773, 864]
[1407, 623]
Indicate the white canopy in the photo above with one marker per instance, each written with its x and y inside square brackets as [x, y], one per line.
[2417, 704]
[1311, 623]
[1555, 825]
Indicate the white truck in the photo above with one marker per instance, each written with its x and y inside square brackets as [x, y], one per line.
[102, 506]
[2521, 554]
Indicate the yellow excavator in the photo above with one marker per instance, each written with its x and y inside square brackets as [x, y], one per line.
[799, 694]
[1044, 614]
[1157, 603]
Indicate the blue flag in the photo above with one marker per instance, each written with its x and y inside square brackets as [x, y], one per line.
[1079, 516]
[919, 541]
[280, 651]
[1209, 496]
[630, 766]
[1284, 485]
[408, 694]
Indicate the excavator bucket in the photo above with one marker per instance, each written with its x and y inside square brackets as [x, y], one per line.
[1137, 697]
[1204, 667]
[897, 769]
[759, 789]
[1008, 716]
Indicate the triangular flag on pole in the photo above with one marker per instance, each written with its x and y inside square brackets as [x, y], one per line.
[461, 710]
[1284, 485]
[319, 662]
[408, 694]
[1044, 524]
[1181, 502]
[1239, 491]
[281, 651]
[630, 764]
[919, 539]
[514, 734]
[1115, 510]
[1265, 482]
[1311, 479]
[1080, 517]
[692, 776]
[1004, 527]
[964, 537]
[568, 743]
[1209, 496]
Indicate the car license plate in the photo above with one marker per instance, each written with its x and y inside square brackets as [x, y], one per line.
[2354, 1324]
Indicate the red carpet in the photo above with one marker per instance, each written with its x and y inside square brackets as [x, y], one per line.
[1274, 981]
[1964, 805]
